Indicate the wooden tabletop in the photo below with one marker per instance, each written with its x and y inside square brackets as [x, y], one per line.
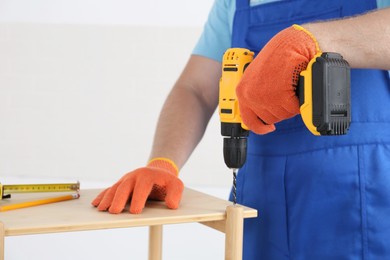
[79, 214]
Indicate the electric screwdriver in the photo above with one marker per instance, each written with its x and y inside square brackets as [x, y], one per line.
[323, 91]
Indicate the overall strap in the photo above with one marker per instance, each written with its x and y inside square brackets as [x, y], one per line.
[241, 4]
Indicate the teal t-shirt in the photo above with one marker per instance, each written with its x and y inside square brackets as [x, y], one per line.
[217, 32]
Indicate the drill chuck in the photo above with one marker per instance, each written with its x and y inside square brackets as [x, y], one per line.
[234, 152]
[234, 144]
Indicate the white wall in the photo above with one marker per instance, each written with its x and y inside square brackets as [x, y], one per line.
[82, 83]
[130, 12]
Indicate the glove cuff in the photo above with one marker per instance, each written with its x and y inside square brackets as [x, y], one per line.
[300, 28]
[164, 163]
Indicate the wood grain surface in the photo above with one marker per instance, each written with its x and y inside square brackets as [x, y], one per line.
[79, 214]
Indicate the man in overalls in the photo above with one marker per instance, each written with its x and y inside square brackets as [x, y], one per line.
[318, 197]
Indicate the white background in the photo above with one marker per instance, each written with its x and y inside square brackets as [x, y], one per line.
[82, 83]
[81, 86]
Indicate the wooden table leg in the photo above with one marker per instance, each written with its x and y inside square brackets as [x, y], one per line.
[2, 234]
[155, 242]
[234, 232]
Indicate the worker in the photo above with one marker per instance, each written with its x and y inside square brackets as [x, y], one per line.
[318, 197]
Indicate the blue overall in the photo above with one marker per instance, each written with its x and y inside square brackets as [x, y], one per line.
[318, 197]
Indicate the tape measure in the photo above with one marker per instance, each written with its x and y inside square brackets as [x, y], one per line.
[6, 190]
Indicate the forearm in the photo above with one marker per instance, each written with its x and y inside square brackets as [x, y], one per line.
[180, 127]
[364, 41]
[187, 110]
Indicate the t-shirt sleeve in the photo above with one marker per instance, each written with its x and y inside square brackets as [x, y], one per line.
[383, 3]
[216, 35]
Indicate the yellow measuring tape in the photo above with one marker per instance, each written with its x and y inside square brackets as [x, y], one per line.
[7, 190]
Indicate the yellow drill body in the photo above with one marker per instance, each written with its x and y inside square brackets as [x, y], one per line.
[234, 63]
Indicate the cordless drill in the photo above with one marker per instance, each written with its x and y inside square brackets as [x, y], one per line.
[235, 133]
[323, 91]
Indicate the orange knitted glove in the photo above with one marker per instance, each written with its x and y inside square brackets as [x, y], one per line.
[266, 92]
[158, 181]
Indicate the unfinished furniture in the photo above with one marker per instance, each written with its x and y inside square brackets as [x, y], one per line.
[78, 215]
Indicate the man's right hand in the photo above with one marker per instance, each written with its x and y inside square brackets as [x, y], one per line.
[157, 181]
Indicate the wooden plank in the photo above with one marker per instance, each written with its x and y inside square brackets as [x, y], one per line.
[217, 225]
[77, 215]
[155, 242]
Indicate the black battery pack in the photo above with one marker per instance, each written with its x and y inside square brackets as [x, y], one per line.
[330, 94]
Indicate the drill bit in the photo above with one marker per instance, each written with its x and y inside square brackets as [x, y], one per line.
[234, 186]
